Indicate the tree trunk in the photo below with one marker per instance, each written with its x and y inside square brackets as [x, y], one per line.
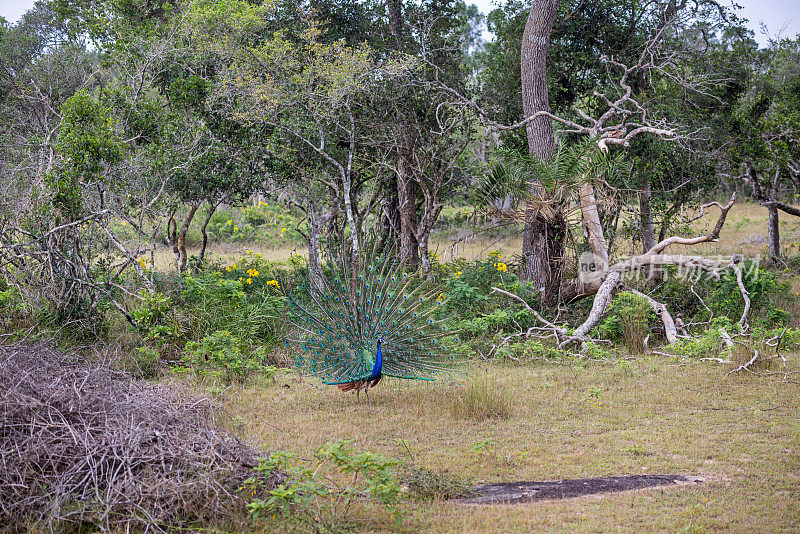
[773, 226]
[535, 44]
[203, 230]
[774, 235]
[543, 251]
[178, 238]
[425, 259]
[406, 194]
[314, 267]
[543, 237]
[407, 206]
[646, 216]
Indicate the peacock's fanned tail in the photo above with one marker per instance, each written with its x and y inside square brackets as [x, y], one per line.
[340, 320]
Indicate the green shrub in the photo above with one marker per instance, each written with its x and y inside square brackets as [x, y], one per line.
[321, 495]
[145, 363]
[727, 301]
[710, 343]
[628, 321]
[13, 313]
[159, 320]
[219, 358]
[224, 302]
[472, 307]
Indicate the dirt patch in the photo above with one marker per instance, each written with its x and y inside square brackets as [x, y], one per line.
[519, 492]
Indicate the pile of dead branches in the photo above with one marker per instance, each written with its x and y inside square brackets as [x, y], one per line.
[83, 444]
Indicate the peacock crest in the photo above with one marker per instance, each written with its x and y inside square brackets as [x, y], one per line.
[367, 318]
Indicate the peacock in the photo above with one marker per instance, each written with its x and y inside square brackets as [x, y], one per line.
[366, 319]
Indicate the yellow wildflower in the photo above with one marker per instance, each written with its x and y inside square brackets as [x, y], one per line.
[228, 268]
[273, 283]
[235, 228]
[230, 221]
[249, 280]
[502, 267]
[458, 273]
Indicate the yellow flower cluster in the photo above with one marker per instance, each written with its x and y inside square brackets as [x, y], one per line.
[141, 262]
[458, 273]
[252, 272]
[502, 267]
[273, 283]
[283, 232]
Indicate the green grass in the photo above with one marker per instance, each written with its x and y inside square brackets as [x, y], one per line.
[741, 433]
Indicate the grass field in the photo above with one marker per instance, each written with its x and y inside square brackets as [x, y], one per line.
[575, 419]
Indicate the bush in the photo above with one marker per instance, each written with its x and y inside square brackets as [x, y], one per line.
[628, 320]
[159, 320]
[227, 302]
[219, 358]
[311, 494]
[13, 314]
[724, 298]
[472, 307]
[710, 343]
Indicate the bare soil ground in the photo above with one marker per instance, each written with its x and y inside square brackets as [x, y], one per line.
[523, 492]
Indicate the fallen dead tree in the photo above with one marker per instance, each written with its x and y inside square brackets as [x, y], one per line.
[604, 285]
[83, 444]
[605, 280]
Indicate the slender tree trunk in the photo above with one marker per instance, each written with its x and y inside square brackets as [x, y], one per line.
[407, 207]
[425, 259]
[773, 224]
[646, 217]
[314, 267]
[177, 237]
[774, 235]
[543, 237]
[212, 208]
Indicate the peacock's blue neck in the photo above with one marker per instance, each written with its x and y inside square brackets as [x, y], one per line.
[376, 369]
